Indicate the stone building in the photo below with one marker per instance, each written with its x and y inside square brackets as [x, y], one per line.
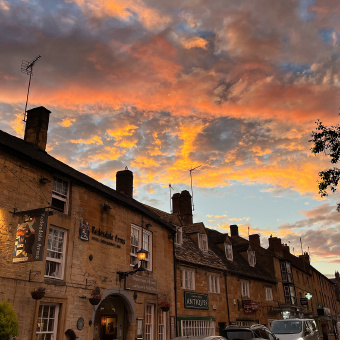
[76, 241]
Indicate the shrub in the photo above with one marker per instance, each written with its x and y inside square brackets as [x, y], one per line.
[8, 321]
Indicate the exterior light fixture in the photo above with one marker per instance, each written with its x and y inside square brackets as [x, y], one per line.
[308, 296]
[141, 254]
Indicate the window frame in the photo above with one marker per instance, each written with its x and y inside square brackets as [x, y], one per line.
[162, 325]
[228, 252]
[185, 280]
[54, 332]
[245, 288]
[141, 244]
[179, 236]
[59, 195]
[61, 261]
[251, 258]
[203, 242]
[214, 284]
[269, 293]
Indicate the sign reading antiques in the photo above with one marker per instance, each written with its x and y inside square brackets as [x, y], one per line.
[30, 236]
[196, 300]
[141, 284]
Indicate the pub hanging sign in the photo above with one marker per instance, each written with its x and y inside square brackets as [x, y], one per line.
[30, 236]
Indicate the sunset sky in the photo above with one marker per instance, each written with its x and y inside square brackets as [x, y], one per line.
[231, 87]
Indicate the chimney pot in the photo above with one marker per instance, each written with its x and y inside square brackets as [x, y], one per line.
[36, 127]
[181, 204]
[275, 245]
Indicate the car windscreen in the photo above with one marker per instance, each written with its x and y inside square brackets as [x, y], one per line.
[286, 327]
[239, 334]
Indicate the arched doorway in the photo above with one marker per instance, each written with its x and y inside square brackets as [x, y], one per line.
[112, 317]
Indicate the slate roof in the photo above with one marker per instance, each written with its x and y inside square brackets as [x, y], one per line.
[39, 158]
[264, 267]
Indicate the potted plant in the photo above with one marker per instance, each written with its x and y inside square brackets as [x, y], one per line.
[38, 293]
[165, 306]
[95, 296]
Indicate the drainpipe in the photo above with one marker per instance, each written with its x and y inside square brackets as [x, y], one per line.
[175, 281]
[226, 293]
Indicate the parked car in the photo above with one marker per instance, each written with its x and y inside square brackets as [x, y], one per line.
[295, 329]
[248, 333]
[204, 337]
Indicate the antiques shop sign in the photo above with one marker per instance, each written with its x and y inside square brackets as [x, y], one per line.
[141, 284]
[196, 300]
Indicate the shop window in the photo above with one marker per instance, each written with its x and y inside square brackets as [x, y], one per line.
[228, 251]
[60, 195]
[137, 244]
[149, 322]
[179, 236]
[47, 322]
[162, 325]
[245, 289]
[203, 242]
[214, 284]
[251, 258]
[188, 279]
[197, 328]
[269, 294]
[55, 255]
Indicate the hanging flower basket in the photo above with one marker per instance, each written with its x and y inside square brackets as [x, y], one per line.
[38, 293]
[165, 306]
[94, 301]
[95, 296]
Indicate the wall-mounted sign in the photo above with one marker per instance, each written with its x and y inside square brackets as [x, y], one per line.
[250, 306]
[196, 300]
[84, 231]
[303, 301]
[30, 236]
[141, 284]
[108, 237]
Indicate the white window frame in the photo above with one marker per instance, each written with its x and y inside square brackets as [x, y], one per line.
[269, 293]
[251, 258]
[203, 242]
[245, 289]
[214, 284]
[139, 328]
[136, 244]
[54, 237]
[41, 320]
[197, 328]
[149, 321]
[179, 236]
[162, 325]
[228, 251]
[58, 194]
[188, 279]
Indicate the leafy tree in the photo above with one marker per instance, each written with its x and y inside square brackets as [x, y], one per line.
[8, 321]
[327, 140]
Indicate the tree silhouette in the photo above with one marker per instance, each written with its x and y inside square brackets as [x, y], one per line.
[327, 140]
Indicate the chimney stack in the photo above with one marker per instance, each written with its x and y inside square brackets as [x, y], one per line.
[124, 182]
[36, 127]
[181, 204]
[255, 239]
[275, 245]
[305, 257]
[337, 276]
[233, 230]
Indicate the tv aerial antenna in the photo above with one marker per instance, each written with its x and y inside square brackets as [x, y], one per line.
[170, 188]
[192, 191]
[27, 67]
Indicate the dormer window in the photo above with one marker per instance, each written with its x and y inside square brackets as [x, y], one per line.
[179, 236]
[251, 258]
[228, 251]
[203, 242]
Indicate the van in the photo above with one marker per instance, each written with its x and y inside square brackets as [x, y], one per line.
[295, 329]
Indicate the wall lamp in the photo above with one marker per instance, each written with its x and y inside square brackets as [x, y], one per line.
[141, 254]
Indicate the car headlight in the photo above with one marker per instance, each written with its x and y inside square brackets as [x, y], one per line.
[299, 339]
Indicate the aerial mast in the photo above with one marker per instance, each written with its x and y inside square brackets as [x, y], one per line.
[192, 191]
[27, 67]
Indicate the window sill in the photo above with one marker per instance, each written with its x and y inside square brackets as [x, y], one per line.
[54, 281]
